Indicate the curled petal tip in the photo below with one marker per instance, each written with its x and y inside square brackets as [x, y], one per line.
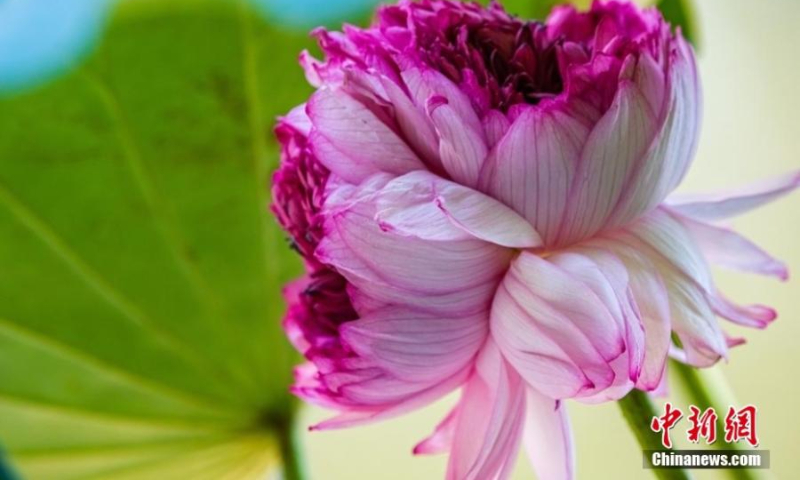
[385, 226]
[422, 449]
[771, 316]
[783, 274]
[735, 341]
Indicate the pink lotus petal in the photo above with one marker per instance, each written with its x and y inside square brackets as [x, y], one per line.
[606, 276]
[534, 178]
[495, 126]
[367, 256]
[415, 345]
[754, 316]
[490, 419]
[670, 250]
[369, 296]
[719, 206]
[352, 142]
[548, 438]
[362, 416]
[662, 389]
[669, 155]
[415, 125]
[651, 299]
[462, 150]
[615, 148]
[428, 207]
[424, 84]
[729, 249]
[298, 119]
[554, 329]
[441, 440]
[735, 341]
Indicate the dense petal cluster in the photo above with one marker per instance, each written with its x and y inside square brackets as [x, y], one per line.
[481, 203]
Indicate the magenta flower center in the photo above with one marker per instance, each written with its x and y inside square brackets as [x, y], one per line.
[512, 61]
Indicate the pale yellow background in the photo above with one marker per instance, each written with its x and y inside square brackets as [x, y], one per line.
[750, 66]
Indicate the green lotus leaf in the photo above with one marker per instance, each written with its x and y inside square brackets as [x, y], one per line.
[140, 269]
[681, 13]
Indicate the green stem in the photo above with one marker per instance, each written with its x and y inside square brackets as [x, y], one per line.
[291, 453]
[638, 410]
[703, 391]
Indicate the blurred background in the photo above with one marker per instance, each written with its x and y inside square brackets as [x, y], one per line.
[134, 151]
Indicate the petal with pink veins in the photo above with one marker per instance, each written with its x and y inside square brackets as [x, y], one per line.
[462, 149]
[415, 124]
[753, 316]
[671, 251]
[495, 126]
[462, 145]
[534, 178]
[352, 142]
[298, 119]
[719, 206]
[555, 330]
[616, 147]
[652, 302]
[370, 296]
[607, 277]
[396, 400]
[423, 205]
[414, 345]
[727, 248]
[670, 152]
[426, 84]
[441, 440]
[548, 438]
[368, 256]
[385, 266]
[490, 419]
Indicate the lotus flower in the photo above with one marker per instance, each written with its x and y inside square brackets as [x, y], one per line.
[482, 204]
